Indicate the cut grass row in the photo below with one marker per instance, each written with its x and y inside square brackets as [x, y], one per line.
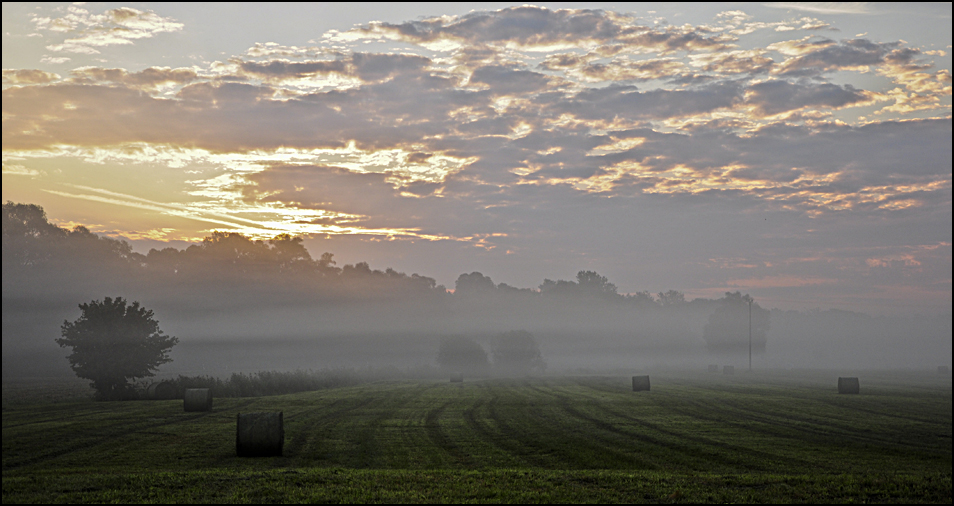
[487, 486]
[574, 439]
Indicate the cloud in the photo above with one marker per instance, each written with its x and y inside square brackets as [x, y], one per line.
[149, 79]
[774, 97]
[877, 168]
[354, 202]
[925, 90]
[801, 46]
[620, 103]
[274, 49]
[28, 76]
[366, 67]
[54, 60]
[733, 62]
[373, 117]
[117, 26]
[619, 69]
[814, 24]
[848, 54]
[19, 170]
[538, 29]
[733, 17]
[507, 81]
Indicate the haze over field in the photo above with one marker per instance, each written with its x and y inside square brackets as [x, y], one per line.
[559, 169]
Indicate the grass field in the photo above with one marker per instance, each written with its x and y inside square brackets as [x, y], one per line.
[764, 437]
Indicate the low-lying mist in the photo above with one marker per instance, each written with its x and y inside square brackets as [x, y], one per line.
[239, 305]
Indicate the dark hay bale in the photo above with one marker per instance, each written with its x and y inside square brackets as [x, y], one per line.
[848, 386]
[161, 391]
[713, 368]
[728, 369]
[197, 399]
[457, 378]
[640, 383]
[942, 369]
[260, 434]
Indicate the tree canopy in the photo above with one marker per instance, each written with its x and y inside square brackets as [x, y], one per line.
[114, 343]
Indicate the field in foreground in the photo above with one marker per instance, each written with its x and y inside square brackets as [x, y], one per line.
[765, 437]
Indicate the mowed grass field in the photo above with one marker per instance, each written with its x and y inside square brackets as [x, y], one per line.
[695, 437]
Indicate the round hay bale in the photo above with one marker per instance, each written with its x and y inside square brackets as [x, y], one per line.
[848, 386]
[259, 434]
[728, 369]
[161, 391]
[713, 368]
[457, 378]
[640, 383]
[197, 399]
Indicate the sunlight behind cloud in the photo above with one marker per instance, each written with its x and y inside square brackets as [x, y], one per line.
[509, 129]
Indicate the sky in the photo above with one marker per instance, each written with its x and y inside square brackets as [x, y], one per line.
[800, 153]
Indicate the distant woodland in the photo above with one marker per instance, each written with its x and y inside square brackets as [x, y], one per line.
[233, 288]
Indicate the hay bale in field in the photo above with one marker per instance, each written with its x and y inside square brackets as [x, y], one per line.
[161, 391]
[942, 369]
[640, 383]
[457, 378]
[197, 399]
[713, 368]
[260, 434]
[848, 386]
[728, 369]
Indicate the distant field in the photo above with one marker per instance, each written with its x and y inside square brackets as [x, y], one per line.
[765, 437]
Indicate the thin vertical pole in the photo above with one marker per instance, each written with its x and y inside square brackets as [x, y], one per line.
[750, 336]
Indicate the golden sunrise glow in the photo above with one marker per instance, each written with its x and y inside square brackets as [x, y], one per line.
[518, 131]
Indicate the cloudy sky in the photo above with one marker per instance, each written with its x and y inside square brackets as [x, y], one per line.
[797, 152]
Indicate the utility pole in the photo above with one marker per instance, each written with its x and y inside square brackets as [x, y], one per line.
[750, 335]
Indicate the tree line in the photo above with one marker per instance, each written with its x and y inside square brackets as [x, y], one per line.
[31, 244]
[231, 284]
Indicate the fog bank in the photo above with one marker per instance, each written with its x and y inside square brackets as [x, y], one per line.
[239, 305]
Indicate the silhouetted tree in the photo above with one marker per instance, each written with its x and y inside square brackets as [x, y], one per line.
[643, 298]
[474, 283]
[233, 252]
[507, 289]
[28, 238]
[27, 220]
[461, 354]
[113, 343]
[166, 261]
[516, 352]
[290, 254]
[558, 287]
[670, 298]
[86, 247]
[588, 284]
[591, 282]
[326, 264]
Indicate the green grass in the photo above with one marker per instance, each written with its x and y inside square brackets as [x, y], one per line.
[778, 437]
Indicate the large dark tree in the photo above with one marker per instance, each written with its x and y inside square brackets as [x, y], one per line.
[114, 343]
[28, 238]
